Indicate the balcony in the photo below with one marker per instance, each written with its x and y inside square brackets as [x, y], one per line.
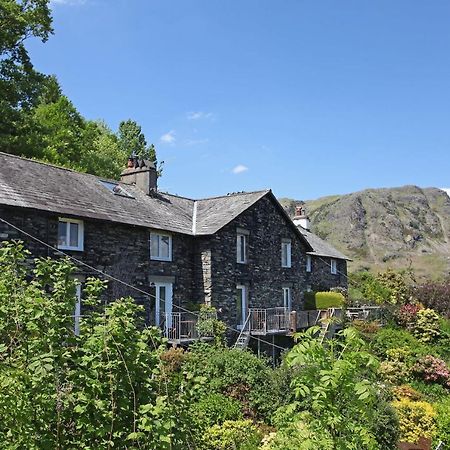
[184, 327]
[265, 321]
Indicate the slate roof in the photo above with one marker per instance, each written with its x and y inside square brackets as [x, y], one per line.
[321, 248]
[40, 186]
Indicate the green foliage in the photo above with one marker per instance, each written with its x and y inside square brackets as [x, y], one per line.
[20, 84]
[416, 418]
[240, 375]
[443, 421]
[232, 435]
[427, 325]
[215, 408]
[303, 432]
[209, 326]
[387, 287]
[336, 387]
[97, 390]
[323, 300]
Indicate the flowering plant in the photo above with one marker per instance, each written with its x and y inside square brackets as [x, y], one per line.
[433, 370]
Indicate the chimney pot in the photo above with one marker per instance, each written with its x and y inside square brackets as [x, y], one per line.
[140, 173]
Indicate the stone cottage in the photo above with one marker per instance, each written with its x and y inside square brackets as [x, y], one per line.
[326, 267]
[239, 252]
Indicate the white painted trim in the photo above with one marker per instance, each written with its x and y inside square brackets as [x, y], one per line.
[287, 299]
[333, 266]
[241, 259]
[68, 221]
[286, 243]
[77, 313]
[160, 258]
[308, 263]
[244, 304]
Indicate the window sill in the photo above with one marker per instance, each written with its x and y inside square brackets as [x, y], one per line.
[155, 258]
[74, 249]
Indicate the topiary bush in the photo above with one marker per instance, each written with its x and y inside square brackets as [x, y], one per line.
[323, 300]
[416, 419]
[232, 435]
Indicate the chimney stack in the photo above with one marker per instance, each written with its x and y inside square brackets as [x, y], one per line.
[141, 173]
[301, 219]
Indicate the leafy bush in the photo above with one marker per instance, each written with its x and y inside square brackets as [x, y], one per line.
[366, 327]
[239, 374]
[427, 325]
[417, 419]
[443, 421]
[432, 392]
[434, 295]
[406, 315]
[323, 300]
[232, 435]
[386, 426]
[432, 370]
[100, 389]
[392, 338]
[406, 391]
[303, 432]
[214, 409]
[209, 326]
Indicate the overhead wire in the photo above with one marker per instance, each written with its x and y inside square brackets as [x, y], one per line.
[118, 280]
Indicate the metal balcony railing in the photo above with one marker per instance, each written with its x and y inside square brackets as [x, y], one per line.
[179, 327]
[269, 320]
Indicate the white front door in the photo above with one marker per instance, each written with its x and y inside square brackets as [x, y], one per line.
[241, 305]
[163, 302]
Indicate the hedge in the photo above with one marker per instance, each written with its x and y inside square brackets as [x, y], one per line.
[323, 300]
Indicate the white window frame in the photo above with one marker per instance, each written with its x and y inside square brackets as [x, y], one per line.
[333, 266]
[244, 305]
[153, 235]
[308, 263]
[80, 223]
[77, 312]
[287, 297]
[286, 244]
[241, 258]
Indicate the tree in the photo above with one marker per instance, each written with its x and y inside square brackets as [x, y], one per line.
[20, 84]
[102, 389]
[132, 141]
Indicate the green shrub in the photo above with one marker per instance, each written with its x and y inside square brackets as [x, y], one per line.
[386, 426]
[433, 392]
[417, 419]
[232, 435]
[427, 325]
[323, 300]
[443, 422]
[215, 408]
[239, 374]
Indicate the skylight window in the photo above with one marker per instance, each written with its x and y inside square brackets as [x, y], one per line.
[116, 189]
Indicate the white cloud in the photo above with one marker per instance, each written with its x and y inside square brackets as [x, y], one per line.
[197, 115]
[168, 138]
[446, 190]
[240, 168]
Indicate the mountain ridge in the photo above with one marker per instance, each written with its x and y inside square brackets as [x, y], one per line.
[399, 227]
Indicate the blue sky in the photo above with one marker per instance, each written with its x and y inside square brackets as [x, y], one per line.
[309, 98]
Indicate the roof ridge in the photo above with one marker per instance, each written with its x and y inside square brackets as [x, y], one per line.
[235, 194]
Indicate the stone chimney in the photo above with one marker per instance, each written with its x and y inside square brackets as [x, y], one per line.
[141, 173]
[300, 218]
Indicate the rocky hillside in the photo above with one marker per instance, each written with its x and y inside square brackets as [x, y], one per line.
[380, 228]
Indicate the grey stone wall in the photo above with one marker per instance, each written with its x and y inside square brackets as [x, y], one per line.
[262, 274]
[321, 279]
[119, 250]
